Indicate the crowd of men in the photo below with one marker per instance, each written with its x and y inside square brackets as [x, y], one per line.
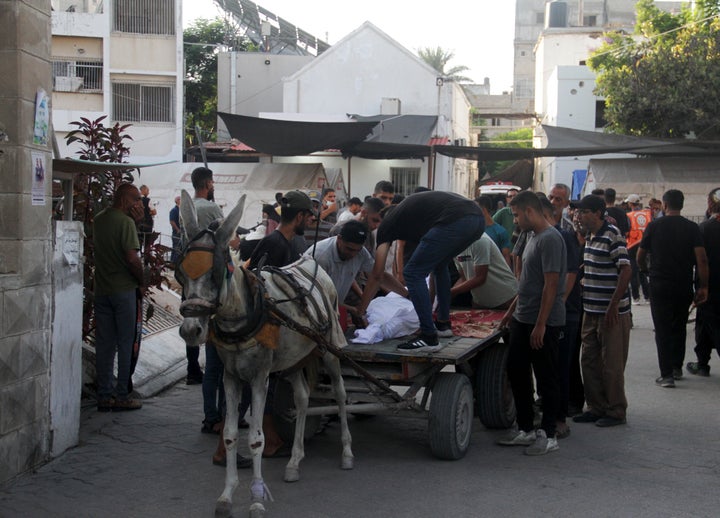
[565, 273]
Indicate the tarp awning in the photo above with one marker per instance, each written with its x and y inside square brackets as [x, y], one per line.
[294, 138]
[77, 166]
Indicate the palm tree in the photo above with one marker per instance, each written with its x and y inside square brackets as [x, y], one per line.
[438, 58]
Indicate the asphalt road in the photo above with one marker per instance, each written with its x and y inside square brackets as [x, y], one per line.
[155, 462]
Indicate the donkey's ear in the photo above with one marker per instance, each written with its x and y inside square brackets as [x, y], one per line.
[188, 215]
[229, 224]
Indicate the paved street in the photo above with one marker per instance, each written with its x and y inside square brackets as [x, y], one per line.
[155, 462]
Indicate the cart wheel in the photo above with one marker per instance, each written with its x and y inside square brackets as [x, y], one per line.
[451, 415]
[495, 403]
[283, 406]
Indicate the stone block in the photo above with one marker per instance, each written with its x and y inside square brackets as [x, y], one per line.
[8, 25]
[33, 26]
[10, 181]
[8, 451]
[9, 216]
[36, 264]
[10, 360]
[33, 355]
[9, 80]
[33, 444]
[36, 220]
[9, 255]
[18, 404]
[17, 116]
[33, 73]
[26, 310]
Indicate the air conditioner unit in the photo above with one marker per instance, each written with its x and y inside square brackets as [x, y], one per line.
[68, 84]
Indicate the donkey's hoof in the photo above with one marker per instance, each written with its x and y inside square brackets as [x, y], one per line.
[292, 474]
[223, 509]
[347, 463]
[257, 510]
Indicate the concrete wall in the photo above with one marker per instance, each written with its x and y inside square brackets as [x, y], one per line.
[571, 102]
[66, 352]
[25, 242]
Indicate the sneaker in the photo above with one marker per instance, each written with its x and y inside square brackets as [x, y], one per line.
[542, 445]
[606, 421]
[127, 404]
[586, 417]
[195, 379]
[666, 382]
[444, 329]
[677, 374]
[517, 438]
[422, 341]
[697, 369]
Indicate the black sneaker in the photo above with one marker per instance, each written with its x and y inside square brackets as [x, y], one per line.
[422, 341]
[665, 382]
[607, 421]
[195, 379]
[586, 417]
[444, 329]
[697, 369]
[677, 374]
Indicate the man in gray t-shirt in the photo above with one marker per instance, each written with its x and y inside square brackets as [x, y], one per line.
[536, 320]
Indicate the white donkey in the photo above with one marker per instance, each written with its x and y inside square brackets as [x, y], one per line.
[259, 325]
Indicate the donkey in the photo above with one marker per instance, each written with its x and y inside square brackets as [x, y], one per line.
[260, 324]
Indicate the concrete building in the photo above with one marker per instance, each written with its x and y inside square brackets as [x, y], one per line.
[368, 73]
[123, 60]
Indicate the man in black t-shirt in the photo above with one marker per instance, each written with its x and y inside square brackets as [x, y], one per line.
[443, 224]
[616, 213]
[277, 249]
[674, 245]
[707, 321]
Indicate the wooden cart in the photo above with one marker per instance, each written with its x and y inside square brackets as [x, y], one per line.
[475, 384]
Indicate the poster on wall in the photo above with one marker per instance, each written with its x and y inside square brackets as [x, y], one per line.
[38, 169]
[42, 118]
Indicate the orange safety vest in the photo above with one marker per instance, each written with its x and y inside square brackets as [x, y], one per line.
[639, 220]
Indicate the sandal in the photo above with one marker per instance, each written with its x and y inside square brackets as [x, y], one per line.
[282, 451]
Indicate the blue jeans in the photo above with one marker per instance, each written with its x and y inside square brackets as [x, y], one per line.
[115, 320]
[213, 389]
[433, 254]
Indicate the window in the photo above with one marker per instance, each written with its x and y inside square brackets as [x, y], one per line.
[590, 21]
[143, 102]
[600, 121]
[405, 179]
[524, 88]
[144, 16]
[70, 75]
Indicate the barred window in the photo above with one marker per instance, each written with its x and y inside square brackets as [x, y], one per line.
[405, 179]
[70, 75]
[143, 102]
[144, 16]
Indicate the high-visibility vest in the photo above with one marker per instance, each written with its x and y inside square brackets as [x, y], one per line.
[639, 220]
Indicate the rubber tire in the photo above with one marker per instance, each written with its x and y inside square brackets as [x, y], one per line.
[451, 416]
[493, 395]
[285, 426]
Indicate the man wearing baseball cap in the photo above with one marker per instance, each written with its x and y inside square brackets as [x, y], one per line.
[605, 328]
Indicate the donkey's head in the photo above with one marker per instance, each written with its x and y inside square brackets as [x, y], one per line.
[204, 263]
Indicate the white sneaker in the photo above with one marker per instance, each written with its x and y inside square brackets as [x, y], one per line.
[517, 438]
[542, 444]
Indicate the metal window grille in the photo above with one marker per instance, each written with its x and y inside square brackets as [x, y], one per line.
[143, 102]
[70, 75]
[405, 179]
[144, 16]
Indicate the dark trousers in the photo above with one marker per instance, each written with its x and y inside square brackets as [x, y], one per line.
[566, 343]
[669, 307]
[193, 365]
[544, 363]
[576, 389]
[638, 279]
[707, 331]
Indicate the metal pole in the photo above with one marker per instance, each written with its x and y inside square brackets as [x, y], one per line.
[198, 135]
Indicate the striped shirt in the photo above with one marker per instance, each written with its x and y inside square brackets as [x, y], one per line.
[605, 253]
